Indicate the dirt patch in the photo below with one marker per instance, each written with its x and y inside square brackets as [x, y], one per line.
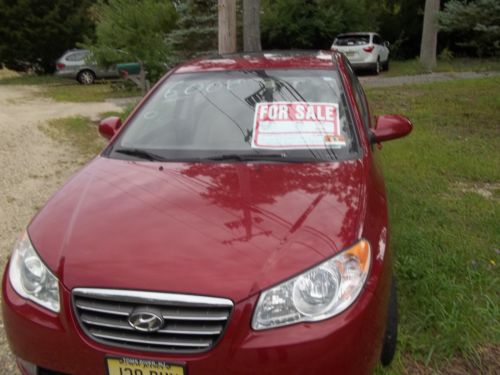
[487, 362]
[32, 166]
[484, 189]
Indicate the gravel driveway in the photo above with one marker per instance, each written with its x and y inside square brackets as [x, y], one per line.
[32, 166]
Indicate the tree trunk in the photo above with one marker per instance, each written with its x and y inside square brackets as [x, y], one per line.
[227, 26]
[428, 45]
[251, 25]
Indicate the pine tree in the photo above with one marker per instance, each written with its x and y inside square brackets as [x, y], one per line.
[475, 25]
[196, 30]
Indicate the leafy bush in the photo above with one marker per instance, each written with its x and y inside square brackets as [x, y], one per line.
[34, 33]
[314, 23]
[134, 31]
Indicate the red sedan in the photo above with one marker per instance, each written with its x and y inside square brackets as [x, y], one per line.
[235, 224]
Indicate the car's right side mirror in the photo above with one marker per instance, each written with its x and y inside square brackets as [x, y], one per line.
[390, 127]
[387, 44]
[109, 126]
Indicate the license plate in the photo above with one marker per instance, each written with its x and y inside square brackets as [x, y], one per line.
[133, 366]
[350, 54]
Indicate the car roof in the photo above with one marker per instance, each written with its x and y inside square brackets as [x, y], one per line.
[75, 50]
[358, 33]
[260, 61]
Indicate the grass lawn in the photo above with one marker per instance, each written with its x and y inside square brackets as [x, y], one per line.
[412, 67]
[77, 131]
[98, 92]
[67, 90]
[443, 185]
[81, 132]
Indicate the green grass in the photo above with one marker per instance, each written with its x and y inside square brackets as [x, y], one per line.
[32, 79]
[446, 238]
[67, 90]
[413, 67]
[82, 93]
[79, 132]
[123, 114]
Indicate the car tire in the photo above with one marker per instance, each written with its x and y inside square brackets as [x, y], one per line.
[391, 330]
[86, 77]
[377, 67]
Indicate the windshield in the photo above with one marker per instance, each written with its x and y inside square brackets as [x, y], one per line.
[352, 40]
[294, 115]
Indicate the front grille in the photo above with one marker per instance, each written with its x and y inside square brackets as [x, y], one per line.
[190, 323]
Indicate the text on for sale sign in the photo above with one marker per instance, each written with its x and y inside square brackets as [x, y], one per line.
[297, 125]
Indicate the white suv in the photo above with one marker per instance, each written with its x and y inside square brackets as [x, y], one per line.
[364, 50]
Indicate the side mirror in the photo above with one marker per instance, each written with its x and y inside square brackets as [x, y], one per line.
[387, 44]
[391, 127]
[109, 126]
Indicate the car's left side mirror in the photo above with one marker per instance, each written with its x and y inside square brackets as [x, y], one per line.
[390, 127]
[109, 126]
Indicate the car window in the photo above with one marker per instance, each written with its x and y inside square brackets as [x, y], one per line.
[352, 40]
[359, 96]
[377, 39]
[77, 56]
[302, 113]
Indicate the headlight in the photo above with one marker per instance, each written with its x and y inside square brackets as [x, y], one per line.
[30, 278]
[319, 293]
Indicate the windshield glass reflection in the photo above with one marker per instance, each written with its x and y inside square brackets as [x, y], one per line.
[303, 114]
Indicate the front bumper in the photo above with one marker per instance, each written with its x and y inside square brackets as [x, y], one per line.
[349, 343]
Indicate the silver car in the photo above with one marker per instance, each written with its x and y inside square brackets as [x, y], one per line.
[74, 64]
[364, 50]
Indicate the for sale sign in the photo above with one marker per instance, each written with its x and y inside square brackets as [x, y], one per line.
[297, 125]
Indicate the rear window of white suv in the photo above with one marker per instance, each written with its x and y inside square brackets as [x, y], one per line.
[352, 40]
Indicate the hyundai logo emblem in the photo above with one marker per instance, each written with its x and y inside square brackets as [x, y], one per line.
[146, 320]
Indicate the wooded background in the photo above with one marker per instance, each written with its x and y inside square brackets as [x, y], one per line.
[34, 33]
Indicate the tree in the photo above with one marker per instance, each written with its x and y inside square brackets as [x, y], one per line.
[251, 25]
[428, 45]
[196, 30]
[400, 22]
[34, 33]
[227, 26]
[476, 25]
[313, 23]
[129, 30]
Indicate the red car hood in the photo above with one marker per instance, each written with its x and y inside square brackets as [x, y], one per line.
[225, 230]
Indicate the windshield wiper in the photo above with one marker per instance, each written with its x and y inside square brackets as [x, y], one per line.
[254, 157]
[140, 153]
